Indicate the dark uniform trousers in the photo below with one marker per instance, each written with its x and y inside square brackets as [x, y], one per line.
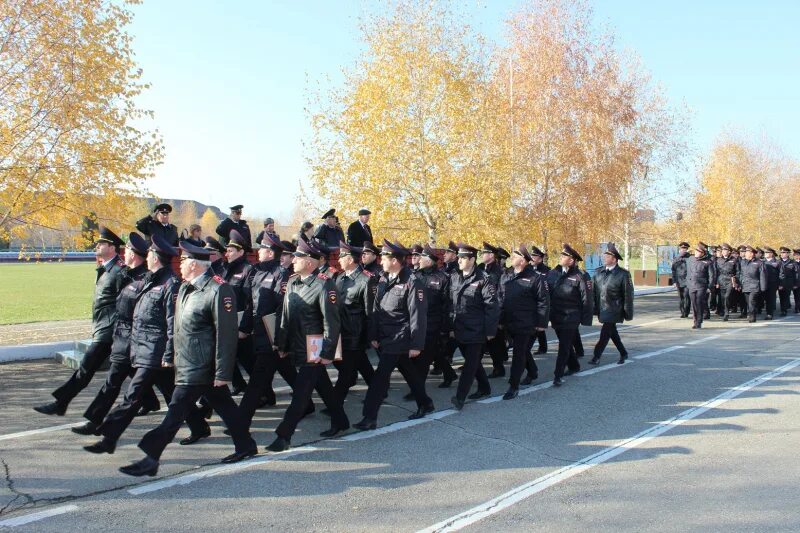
[437, 350]
[566, 355]
[309, 377]
[498, 351]
[770, 298]
[685, 300]
[94, 358]
[698, 305]
[751, 299]
[521, 357]
[473, 370]
[577, 344]
[353, 362]
[541, 337]
[109, 393]
[142, 381]
[380, 383]
[796, 293]
[784, 298]
[260, 384]
[182, 406]
[727, 301]
[609, 332]
[244, 356]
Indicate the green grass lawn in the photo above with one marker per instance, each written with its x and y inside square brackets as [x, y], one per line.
[38, 292]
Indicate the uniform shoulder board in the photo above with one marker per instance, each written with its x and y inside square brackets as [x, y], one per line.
[322, 276]
[218, 279]
[367, 273]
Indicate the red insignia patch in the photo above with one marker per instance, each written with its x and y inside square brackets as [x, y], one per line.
[227, 303]
[218, 279]
[322, 276]
[332, 296]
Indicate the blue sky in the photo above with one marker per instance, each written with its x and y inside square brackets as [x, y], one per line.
[230, 79]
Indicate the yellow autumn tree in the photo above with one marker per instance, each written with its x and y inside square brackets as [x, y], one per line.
[746, 188]
[209, 222]
[407, 132]
[72, 143]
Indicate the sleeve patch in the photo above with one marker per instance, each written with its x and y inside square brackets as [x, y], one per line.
[332, 296]
[227, 303]
[420, 295]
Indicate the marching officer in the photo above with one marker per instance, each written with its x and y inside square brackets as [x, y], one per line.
[679, 278]
[570, 307]
[796, 291]
[473, 314]
[538, 264]
[437, 292]
[699, 275]
[359, 231]
[158, 223]
[369, 258]
[309, 334]
[204, 343]
[217, 256]
[741, 297]
[236, 273]
[151, 350]
[788, 279]
[397, 331]
[111, 279]
[727, 272]
[449, 266]
[525, 308]
[356, 288]
[328, 233]
[612, 288]
[135, 253]
[772, 267]
[497, 346]
[753, 280]
[266, 287]
[235, 222]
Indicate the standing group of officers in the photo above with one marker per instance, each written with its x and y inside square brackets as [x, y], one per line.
[746, 279]
[293, 314]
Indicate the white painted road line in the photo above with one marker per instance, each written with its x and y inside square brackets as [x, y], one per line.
[704, 339]
[658, 352]
[539, 484]
[39, 431]
[33, 517]
[190, 478]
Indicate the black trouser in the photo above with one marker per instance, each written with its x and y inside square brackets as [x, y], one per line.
[441, 355]
[609, 332]
[498, 351]
[684, 301]
[770, 297]
[751, 297]
[309, 377]
[260, 384]
[713, 298]
[142, 381]
[530, 362]
[94, 358]
[182, 405]
[353, 362]
[108, 394]
[566, 355]
[245, 358]
[521, 357]
[698, 298]
[380, 383]
[473, 370]
[577, 344]
[728, 297]
[785, 297]
[796, 295]
[541, 337]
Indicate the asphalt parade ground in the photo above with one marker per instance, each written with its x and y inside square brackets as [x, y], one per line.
[698, 431]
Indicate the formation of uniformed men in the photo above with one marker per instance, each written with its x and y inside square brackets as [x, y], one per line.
[727, 280]
[293, 314]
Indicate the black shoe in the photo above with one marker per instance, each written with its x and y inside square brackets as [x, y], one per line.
[240, 456]
[52, 408]
[268, 400]
[89, 428]
[143, 467]
[541, 350]
[511, 393]
[102, 446]
[558, 382]
[366, 424]
[622, 358]
[725, 318]
[768, 317]
[457, 404]
[422, 411]
[479, 394]
[279, 445]
[333, 431]
[530, 378]
[595, 360]
[497, 373]
[446, 382]
[570, 371]
[409, 397]
[194, 437]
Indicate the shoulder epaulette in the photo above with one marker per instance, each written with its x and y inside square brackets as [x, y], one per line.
[322, 276]
[218, 279]
[367, 273]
